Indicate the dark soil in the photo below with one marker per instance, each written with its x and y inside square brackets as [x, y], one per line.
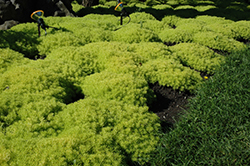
[169, 105]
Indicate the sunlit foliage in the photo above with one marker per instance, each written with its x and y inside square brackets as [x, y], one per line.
[80, 94]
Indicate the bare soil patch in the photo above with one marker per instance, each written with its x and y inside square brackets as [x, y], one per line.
[169, 105]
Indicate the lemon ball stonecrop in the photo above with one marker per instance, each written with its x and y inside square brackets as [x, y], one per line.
[121, 134]
[21, 38]
[121, 128]
[36, 119]
[218, 41]
[9, 58]
[197, 56]
[171, 73]
[79, 61]
[117, 86]
[133, 33]
[24, 84]
[57, 40]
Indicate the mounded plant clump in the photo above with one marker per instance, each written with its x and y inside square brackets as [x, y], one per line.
[89, 132]
[80, 95]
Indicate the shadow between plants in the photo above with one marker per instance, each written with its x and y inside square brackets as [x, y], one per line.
[228, 10]
[169, 104]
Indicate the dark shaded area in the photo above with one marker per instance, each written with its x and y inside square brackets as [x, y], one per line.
[97, 10]
[221, 52]
[169, 104]
[73, 92]
[25, 42]
[20, 11]
[88, 3]
[22, 42]
[169, 43]
[229, 10]
[77, 95]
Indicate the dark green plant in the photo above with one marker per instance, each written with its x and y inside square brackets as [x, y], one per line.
[215, 130]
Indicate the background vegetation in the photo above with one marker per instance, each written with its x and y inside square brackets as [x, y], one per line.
[80, 94]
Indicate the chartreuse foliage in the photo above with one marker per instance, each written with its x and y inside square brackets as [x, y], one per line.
[28, 79]
[197, 56]
[30, 83]
[143, 28]
[36, 119]
[218, 41]
[19, 87]
[133, 33]
[139, 17]
[173, 36]
[120, 57]
[153, 50]
[169, 72]
[121, 87]
[72, 62]
[106, 133]
[92, 132]
[154, 25]
[238, 30]
[116, 56]
[216, 129]
[57, 40]
[212, 32]
[108, 66]
[203, 8]
[171, 20]
[21, 38]
[10, 58]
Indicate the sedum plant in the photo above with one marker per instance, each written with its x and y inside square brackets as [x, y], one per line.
[36, 119]
[237, 30]
[121, 134]
[169, 72]
[23, 85]
[9, 58]
[128, 132]
[44, 119]
[138, 17]
[53, 41]
[21, 38]
[154, 25]
[175, 36]
[241, 30]
[91, 35]
[116, 56]
[133, 33]
[204, 8]
[27, 79]
[171, 20]
[79, 62]
[213, 20]
[218, 42]
[198, 57]
[117, 86]
[151, 50]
